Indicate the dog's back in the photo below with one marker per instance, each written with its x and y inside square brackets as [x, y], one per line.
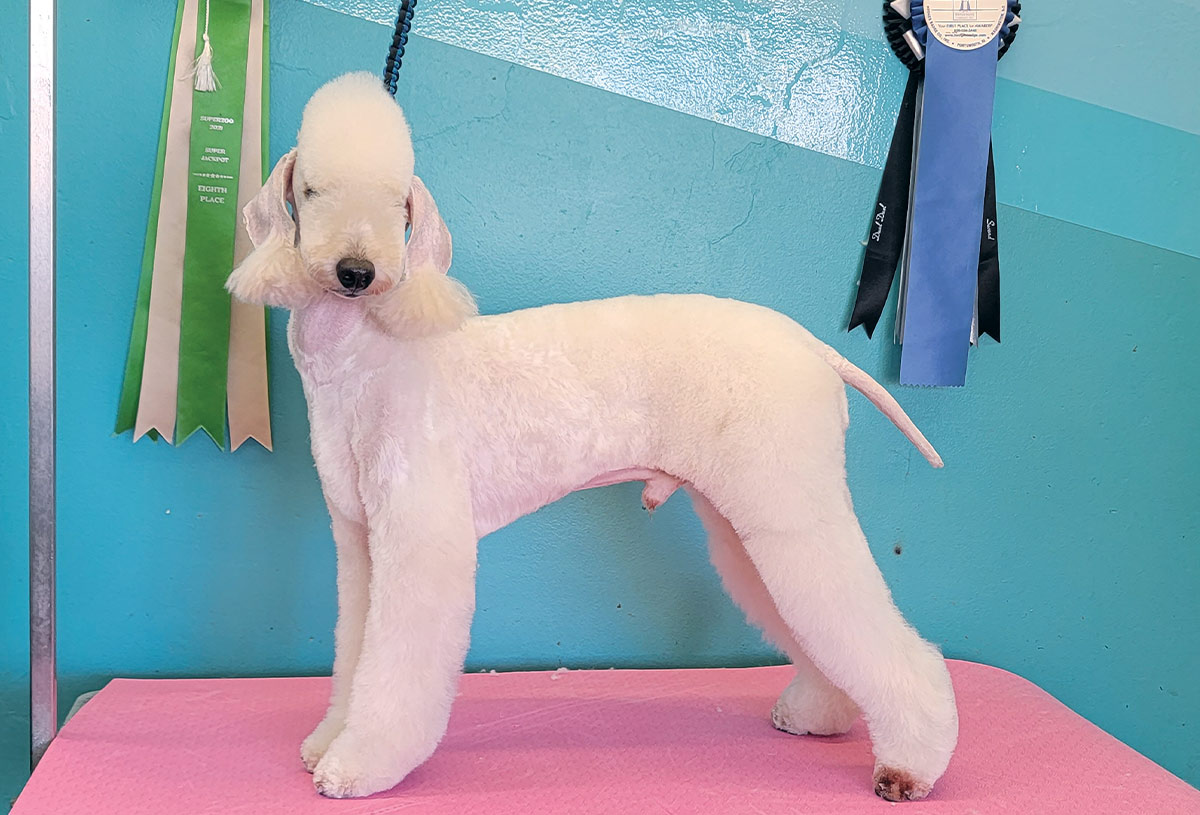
[673, 348]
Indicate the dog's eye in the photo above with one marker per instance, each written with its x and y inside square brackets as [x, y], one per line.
[309, 192]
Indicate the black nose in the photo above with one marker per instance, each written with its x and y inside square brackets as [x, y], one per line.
[355, 274]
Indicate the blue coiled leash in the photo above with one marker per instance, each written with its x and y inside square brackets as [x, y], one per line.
[391, 68]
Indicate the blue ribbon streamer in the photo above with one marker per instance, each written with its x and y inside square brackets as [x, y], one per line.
[948, 209]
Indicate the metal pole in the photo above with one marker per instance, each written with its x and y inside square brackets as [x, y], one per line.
[43, 680]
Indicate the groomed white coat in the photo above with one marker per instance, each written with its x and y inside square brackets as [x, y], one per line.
[432, 427]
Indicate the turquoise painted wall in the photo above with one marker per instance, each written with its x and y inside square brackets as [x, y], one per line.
[1059, 543]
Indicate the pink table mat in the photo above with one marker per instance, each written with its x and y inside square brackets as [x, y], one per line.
[681, 741]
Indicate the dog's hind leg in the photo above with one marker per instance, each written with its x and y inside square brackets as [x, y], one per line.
[815, 562]
[810, 704]
[353, 577]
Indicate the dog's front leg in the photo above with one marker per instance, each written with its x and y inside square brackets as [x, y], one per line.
[353, 577]
[422, 546]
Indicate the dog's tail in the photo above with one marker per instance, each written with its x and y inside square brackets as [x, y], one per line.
[862, 382]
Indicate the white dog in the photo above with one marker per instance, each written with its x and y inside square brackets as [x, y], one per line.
[432, 427]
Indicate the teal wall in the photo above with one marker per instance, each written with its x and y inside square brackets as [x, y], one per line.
[1060, 542]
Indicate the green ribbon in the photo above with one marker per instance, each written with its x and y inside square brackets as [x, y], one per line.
[216, 144]
[212, 220]
[132, 385]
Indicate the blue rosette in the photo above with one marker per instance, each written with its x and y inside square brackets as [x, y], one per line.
[907, 33]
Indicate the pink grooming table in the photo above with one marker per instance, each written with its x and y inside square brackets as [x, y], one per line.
[694, 741]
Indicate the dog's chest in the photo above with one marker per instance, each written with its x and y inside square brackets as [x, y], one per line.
[368, 404]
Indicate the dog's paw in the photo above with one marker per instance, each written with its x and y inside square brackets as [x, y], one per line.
[354, 766]
[313, 748]
[804, 710]
[899, 785]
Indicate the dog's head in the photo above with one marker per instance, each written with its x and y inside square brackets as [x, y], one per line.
[342, 213]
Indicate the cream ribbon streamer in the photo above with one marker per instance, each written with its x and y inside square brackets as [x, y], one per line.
[248, 401]
[160, 375]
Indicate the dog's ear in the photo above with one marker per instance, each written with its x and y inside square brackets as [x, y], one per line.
[273, 274]
[429, 246]
[266, 216]
[427, 301]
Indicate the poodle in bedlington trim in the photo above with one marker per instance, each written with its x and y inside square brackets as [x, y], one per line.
[432, 426]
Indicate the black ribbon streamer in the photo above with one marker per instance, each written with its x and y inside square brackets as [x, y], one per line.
[987, 297]
[885, 241]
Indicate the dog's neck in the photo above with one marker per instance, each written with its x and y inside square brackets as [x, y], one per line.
[332, 337]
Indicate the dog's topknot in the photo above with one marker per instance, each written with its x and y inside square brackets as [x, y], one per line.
[353, 129]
